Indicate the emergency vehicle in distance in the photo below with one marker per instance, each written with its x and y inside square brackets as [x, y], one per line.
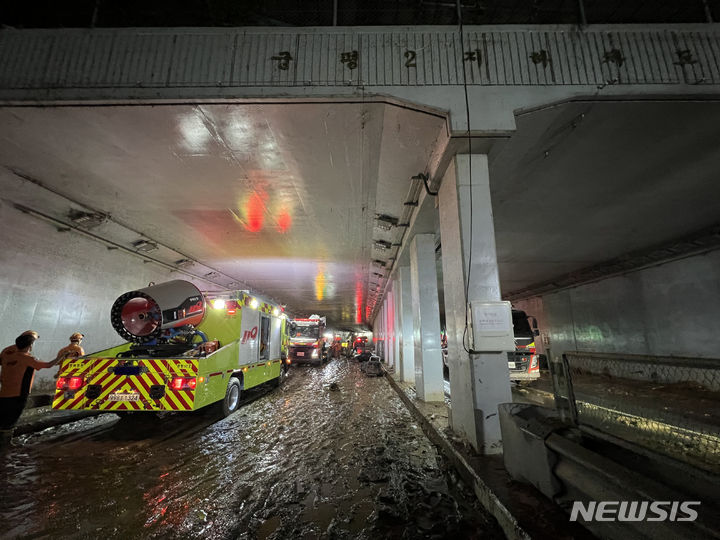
[307, 341]
[524, 362]
[185, 350]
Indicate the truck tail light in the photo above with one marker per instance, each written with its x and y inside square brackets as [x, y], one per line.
[180, 383]
[534, 363]
[72, 384]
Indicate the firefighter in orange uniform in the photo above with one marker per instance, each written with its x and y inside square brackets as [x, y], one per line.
[13, 348]
[74, 350]
[17, 371]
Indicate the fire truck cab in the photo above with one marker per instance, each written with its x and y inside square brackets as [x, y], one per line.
[524, 362]
[307, 342]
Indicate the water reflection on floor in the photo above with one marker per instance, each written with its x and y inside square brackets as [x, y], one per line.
[302, 461]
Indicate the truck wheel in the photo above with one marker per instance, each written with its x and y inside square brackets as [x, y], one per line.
[231, 403]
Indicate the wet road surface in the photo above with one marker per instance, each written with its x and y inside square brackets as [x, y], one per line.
[311, 459]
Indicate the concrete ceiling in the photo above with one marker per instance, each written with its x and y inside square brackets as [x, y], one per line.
[584, 182]
[281, 197]
[284, 197]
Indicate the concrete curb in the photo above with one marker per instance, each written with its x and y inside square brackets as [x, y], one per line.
[484, 494]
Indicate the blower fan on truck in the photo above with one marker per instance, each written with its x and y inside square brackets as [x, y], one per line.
[161, 320]
[185, 350]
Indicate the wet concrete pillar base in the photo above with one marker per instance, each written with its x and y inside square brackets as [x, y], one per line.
[407, 347]
[478, 382]
[426, 319]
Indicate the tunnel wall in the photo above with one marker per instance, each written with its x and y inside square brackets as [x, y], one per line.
[670, 309]
[57, 283]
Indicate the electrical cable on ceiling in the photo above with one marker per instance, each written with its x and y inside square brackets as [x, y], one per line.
[469, 140]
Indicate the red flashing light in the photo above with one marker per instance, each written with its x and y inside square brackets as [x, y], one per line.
[75, 383]
[180, 383]
[61, 383]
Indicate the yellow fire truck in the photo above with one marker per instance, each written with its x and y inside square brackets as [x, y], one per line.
[185, 350]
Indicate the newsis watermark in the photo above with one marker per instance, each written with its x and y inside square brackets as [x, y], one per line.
[634, 511]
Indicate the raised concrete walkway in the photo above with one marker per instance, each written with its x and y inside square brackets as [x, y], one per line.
[521, 510]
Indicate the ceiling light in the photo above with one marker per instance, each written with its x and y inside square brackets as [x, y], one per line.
[382, 244]
[183, 263]
[378, 262]
[386, 222]
[87, 220]
[145, 246]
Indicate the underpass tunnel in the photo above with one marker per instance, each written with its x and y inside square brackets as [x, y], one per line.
[302, 204]
[436, 216]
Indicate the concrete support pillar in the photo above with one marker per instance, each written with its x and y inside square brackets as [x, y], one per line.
[379, 337]
[407, 346]
[396, 325]
[478, 382]
[390, 325]
[426, 319]
[386, 334]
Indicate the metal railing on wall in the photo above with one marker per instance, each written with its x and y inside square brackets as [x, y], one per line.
[666, 404]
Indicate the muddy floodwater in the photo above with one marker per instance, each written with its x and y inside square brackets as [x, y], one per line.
[310, 459]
